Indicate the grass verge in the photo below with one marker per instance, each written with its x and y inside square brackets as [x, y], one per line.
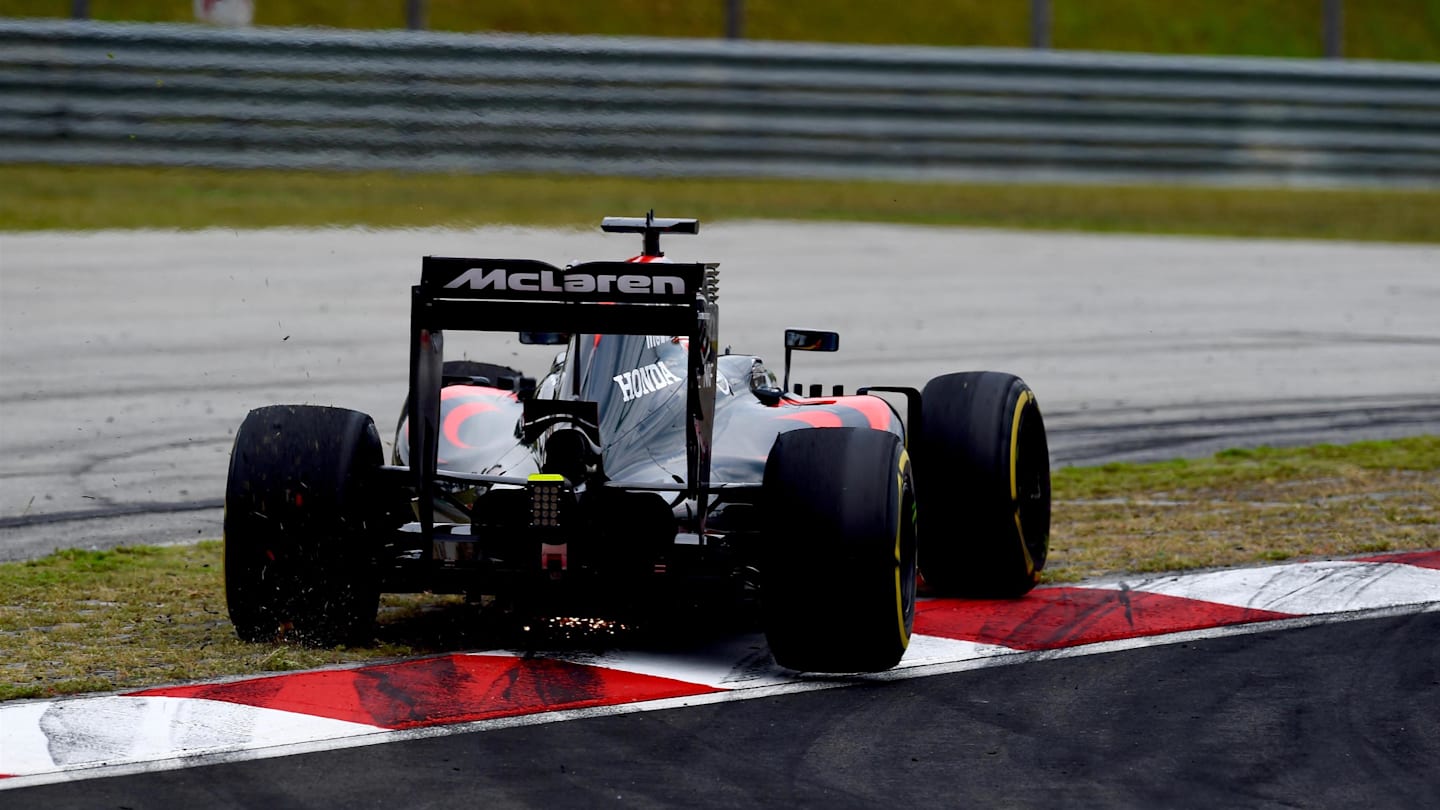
[82, 621]
[1245, 507]
[83, 198]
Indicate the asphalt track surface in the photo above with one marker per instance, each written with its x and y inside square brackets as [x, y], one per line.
[128, 359]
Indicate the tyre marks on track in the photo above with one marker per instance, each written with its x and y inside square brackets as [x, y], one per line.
[181, 726]
[1055, 618]
[1103, 435]
[442, 690]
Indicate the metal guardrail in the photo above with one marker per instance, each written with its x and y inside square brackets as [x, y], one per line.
[134, 94]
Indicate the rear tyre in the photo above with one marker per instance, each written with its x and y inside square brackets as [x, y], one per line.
[300, 523]
[838, 573]
[983, 466]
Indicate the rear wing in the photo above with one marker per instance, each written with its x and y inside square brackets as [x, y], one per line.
[515, 295]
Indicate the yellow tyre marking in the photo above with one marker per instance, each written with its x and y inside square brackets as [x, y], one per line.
[1025, 397]
[899, 527]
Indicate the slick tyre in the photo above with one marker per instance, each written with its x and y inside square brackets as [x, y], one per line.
[838, 572]
[983, 469]
[300, 525]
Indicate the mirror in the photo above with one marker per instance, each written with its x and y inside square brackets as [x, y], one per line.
[544, 338]
[807, 340]
[811, 340]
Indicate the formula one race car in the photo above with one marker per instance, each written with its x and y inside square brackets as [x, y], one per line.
[645, 466]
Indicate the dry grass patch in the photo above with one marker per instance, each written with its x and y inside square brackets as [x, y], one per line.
[1246, 507]
[85, 621]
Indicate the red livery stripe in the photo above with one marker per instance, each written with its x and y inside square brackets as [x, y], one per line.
[470, 391]
[816, 418]
[877, 411]
[443, 690]
[1052, 618]
[457, 416]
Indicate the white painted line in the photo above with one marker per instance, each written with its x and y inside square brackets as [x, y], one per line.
[85, 733]
[744, 662]
[739, 663]
[1305, 588]
[24, 748]
[925, 650]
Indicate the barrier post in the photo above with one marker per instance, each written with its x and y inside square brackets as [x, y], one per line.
[1334, 29]
[734, 19]
[415, 15]
[1040, 24]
